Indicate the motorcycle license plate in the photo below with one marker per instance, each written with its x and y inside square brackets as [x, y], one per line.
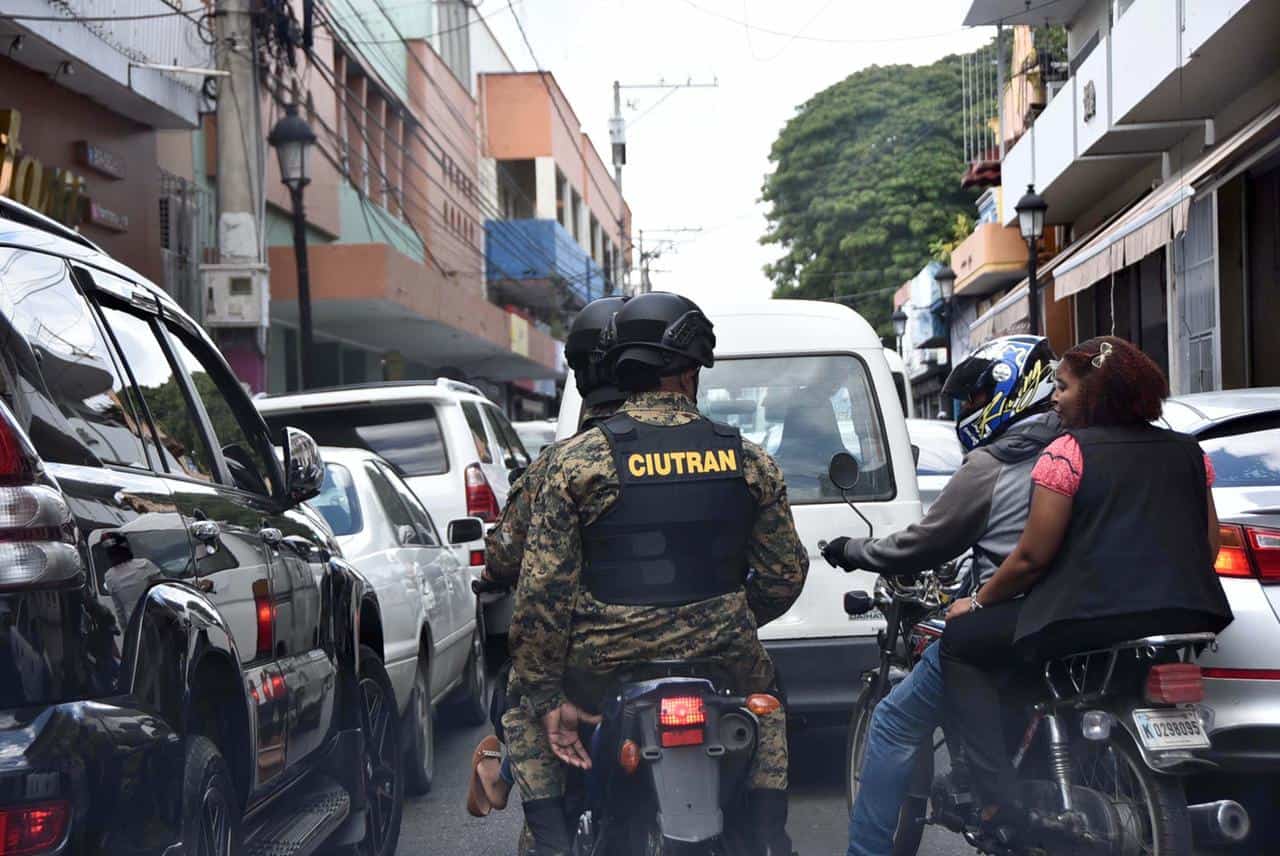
[1171, 729]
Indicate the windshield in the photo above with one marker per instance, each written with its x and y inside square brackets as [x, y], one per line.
[803, 410]
[406, 435]
[338, 501]
[1250, 458]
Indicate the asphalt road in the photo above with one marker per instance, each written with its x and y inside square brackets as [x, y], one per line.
[439, 823]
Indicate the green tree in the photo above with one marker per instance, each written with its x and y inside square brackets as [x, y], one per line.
[867, 178]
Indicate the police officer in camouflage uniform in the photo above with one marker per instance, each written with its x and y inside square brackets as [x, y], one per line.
[587, 605]
[504, 544]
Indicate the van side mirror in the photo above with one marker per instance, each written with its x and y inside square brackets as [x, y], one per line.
[303, 466]
[464, 530]
[843, 470]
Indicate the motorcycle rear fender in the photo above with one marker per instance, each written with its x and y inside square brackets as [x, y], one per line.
[1174, 762]
[686, 785]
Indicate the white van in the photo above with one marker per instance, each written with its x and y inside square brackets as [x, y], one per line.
[902, 383]
[806, 379]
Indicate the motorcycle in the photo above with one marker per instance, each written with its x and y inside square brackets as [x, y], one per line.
[1105, 736]
[670, 761]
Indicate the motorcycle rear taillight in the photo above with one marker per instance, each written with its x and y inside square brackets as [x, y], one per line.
[1174, 683]
[677, 711]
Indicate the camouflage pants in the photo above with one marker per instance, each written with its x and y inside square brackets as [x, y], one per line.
[540, 775]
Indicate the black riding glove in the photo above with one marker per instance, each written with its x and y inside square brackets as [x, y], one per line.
[845, 553]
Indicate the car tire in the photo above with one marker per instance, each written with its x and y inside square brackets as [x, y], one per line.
[420, 733]
[383, 758]
[471, 704]
[210, 808]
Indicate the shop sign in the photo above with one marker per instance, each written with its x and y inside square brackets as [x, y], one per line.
[106, 218]
[54, 192]
[99, 159]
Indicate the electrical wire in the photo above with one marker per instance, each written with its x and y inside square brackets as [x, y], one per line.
[821, 39]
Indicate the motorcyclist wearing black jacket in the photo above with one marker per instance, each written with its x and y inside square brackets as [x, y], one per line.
[1006, 389]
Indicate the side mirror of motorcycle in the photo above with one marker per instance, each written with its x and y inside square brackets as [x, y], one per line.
[843, 470]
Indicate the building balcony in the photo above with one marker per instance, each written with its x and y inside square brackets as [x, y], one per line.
[109, 59]
[538, 264]
[1148, 84]
[990, 260]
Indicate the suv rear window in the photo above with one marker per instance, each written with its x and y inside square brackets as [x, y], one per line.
[407, 435]
[802, 410]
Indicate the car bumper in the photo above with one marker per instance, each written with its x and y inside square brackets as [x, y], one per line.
[119, 769]
[1245, 734]
[820, 677]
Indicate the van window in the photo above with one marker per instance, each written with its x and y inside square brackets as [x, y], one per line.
[803, 410]
[407, 435]
[513, 453]
[477, 432]
[85, 385]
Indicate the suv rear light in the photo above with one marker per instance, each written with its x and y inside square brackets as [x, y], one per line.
[1174, 683]
[1248, 552]
[32, 829]
[481, 500]
[37, 538]
[682, 719]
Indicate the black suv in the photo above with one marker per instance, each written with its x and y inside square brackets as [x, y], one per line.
[187, 665]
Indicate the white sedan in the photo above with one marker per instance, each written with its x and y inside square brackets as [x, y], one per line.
[433, 635]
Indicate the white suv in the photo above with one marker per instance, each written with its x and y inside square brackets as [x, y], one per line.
[453, 446]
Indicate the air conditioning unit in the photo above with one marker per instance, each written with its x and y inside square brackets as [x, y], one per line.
[236, 295]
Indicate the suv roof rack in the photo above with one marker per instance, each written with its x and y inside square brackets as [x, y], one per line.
[19, 213]
[446, 382]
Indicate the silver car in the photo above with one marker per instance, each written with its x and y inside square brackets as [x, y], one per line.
[939, 457]
[1240, 431]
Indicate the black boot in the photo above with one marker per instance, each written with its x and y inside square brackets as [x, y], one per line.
[545, 819]
[769, 815]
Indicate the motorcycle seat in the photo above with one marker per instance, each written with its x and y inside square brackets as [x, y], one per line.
[1153, 643]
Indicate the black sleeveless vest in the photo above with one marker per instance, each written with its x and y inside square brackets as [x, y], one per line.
[679, 530]
[1138, 539]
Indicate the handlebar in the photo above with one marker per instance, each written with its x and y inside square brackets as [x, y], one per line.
[483, 586]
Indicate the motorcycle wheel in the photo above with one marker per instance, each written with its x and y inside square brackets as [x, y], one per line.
[915, 809]
[1153, 805]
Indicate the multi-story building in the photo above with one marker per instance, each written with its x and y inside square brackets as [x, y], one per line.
[1157, 148]
[95, 125]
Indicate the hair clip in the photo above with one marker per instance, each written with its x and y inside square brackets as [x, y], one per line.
[1104, 351]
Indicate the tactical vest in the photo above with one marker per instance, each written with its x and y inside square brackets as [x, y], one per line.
[1137, 542]
[679, 530]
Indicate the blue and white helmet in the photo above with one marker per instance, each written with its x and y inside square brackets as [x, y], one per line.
[1003, 381]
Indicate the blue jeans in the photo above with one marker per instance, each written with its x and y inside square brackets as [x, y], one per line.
[902, 725]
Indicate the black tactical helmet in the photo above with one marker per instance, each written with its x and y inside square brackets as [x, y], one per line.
[660, 333]
[584, 350]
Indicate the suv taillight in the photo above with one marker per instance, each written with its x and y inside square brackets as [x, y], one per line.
[32, 829]
[1248, 551]
[1174, 683]
[481, 500]
[37, 538]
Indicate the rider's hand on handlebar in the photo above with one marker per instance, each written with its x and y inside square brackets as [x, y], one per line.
[844, 553]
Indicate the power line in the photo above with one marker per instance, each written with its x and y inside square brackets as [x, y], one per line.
[821, 39]
[470, 23]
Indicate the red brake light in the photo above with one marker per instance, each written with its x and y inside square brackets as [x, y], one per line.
[266, 619]
[1264, 548]
[14, 466]
[1175, 683]
[481, 500]
[1233, 557]
[477, 558]
[31, 829]
[679, 711]
[682, 737]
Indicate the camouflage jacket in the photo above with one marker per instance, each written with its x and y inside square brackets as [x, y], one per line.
[504, 545]
[558, 626]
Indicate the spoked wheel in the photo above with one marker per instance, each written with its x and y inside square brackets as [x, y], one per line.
[383, 761]
[1152, 808]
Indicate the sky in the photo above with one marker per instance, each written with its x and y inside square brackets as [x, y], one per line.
[698, 159]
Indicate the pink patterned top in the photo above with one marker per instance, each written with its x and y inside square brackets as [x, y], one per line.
[1061, 467]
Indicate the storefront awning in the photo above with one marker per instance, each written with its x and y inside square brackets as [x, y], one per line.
[1158, 218]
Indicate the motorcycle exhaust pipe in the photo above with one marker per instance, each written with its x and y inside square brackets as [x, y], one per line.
[1218, 824]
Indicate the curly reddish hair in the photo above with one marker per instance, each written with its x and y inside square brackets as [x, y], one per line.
[1128, 388]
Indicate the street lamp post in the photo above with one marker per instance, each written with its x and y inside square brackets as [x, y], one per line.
[1031, 208]
[945, 277]
[899, 326]
[292, 138]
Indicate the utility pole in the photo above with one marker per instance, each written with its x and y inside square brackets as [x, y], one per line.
[662, 245]
[239, 188]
